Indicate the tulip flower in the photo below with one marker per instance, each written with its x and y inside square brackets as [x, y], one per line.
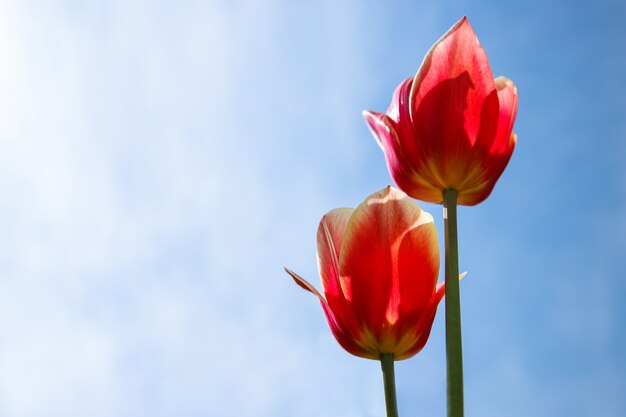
[379, 265]
[450, 126]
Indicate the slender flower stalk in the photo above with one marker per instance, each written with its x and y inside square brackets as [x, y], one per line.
[389, 380]
[454, 351]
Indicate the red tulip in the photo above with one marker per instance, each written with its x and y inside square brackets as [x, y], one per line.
[449, 127]
[379, 265]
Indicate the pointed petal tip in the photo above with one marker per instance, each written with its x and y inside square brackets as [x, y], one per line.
[290, 272]
[503, 80]
[426, 217]
[373, 118]
[462, 23]
[503, 83]
[377, 126]
[386, 194]
[440, 291]
[389, 190]
[297, 278]
[367, 113]
[303, 283]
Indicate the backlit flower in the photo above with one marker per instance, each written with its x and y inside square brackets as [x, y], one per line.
[449, 127]
[379, 265]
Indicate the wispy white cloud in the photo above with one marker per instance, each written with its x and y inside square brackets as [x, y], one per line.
[142, 234]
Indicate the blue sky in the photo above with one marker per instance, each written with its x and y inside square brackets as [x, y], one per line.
[161, 161]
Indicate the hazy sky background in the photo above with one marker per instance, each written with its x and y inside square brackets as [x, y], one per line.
[161, 161]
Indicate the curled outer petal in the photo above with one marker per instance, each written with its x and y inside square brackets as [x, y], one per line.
[405, 158]
[339, 331]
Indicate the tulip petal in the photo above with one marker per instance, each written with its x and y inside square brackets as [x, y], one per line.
[404, 155]
[399, 111]
[329, 237]
[389, 262]
[495, 146]
[414, 159]
[422, 332]
[303, 283]
[406, 173]
[417, 340]
[339, 331]
[330, 234]
[447, 97]
[383, 129]
[382, 132]
[507, 98]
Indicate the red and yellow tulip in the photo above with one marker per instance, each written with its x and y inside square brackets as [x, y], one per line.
[379, 265]
[450, 126]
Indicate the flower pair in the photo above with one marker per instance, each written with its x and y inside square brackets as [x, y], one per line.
[448, 129]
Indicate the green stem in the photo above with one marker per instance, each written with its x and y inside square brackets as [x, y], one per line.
[454, 351]
[389, 380]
